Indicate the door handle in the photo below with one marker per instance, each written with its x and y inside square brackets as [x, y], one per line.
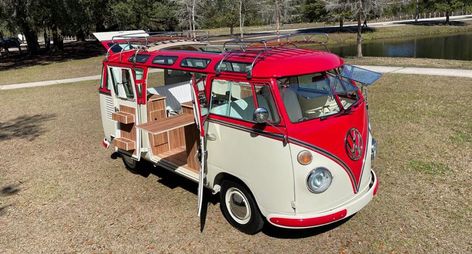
[211, 136]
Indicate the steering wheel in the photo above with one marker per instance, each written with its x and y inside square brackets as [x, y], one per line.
[314, 110]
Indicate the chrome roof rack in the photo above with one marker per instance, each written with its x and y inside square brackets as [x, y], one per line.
[257, 48]
[141, 41]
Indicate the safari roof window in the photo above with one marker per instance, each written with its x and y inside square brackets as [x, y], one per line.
[233, 66]
[122, 82]
[197, 63]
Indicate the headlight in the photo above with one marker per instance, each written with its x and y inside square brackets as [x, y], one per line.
[319, 180]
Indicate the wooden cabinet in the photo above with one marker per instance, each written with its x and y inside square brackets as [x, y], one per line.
[175, 138]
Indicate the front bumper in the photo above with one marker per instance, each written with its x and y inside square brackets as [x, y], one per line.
[320, 219]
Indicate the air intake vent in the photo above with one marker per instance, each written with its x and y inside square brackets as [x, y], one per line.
[109, 106]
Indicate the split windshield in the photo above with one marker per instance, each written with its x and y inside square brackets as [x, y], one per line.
[316, 95]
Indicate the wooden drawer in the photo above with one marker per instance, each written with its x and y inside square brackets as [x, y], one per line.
[123, 117]
[124, 144]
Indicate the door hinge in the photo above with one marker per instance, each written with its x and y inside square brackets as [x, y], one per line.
[293, 205]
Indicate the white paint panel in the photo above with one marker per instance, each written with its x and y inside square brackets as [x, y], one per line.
[108, 36]
[262, 163]
[339, 192]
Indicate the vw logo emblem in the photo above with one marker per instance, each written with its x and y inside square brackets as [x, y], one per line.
[353, 144]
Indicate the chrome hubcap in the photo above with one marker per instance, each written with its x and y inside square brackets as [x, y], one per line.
[238, 205]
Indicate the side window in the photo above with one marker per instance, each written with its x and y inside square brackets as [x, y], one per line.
[265, 100]
[122, 83]
[232, 99]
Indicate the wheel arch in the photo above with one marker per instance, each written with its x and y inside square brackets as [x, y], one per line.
[222, 176]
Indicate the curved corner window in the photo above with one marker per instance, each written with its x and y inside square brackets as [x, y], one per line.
[122, 82]
[197, 63]
[164, 60]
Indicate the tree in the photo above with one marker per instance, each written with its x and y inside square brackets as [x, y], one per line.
[448, 6]
[313, 10]
[339, 9]
[21, 15]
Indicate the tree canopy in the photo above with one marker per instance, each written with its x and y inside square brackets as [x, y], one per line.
[54, 19]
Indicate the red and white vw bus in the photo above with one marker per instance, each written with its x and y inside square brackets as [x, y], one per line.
[281, 133]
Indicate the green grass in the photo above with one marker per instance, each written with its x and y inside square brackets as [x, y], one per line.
[433, 168]
[461, 136]
[412, 118]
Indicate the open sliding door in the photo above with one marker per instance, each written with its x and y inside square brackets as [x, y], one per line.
[199, 120]
[126, 112]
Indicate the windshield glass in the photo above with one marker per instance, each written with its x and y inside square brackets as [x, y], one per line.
[313, 96]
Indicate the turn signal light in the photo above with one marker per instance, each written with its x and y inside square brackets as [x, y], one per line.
[304, 157]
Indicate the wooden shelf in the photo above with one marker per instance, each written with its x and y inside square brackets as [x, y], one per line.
[124, 144]
[123, 117]
[178, 157]
[167, 124]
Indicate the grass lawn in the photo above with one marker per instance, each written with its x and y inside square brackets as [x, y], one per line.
[53, 70]
[61, 192]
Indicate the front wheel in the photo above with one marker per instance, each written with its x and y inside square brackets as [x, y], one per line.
[239, 208]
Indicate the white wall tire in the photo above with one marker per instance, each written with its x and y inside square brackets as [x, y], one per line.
[239, 208]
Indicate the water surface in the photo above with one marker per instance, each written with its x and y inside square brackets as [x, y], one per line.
[457, 47]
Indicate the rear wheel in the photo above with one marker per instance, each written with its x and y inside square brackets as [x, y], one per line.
[239, 208]
[131, 164]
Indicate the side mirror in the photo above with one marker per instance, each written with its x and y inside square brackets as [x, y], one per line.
[261, 115]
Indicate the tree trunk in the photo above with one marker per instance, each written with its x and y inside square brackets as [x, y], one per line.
[193, 20]
[416, 12]
[31, 39]
[241, 21]
[47, 40]
[277, 18]
[359, 32]
[57, 40]
[447, 17]
[80, 35]
[231, 29]
[341, 22]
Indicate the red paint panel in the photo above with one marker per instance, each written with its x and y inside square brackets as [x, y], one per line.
[376, 187]
[309, 222]
[329, 134]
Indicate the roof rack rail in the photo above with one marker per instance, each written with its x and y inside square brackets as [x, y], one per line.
[279, 41]
[257, 48]
[141, 40]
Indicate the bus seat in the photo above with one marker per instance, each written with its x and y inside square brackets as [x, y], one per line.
[291, 104]
[244, 108]
[175, 94]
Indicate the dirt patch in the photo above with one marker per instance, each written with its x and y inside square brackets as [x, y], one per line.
[74, 196]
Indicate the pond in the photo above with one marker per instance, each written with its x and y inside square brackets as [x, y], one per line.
[457, 47]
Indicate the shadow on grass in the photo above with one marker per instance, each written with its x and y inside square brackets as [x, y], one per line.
[9, 190]
[173, 180]
[72, 51]
[24, 127]
[433, 23]
[3, 210]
